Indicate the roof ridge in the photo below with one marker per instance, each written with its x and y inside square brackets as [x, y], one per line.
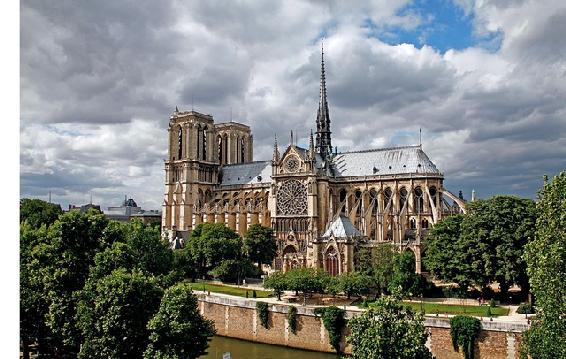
[245, 163]
[380, 149]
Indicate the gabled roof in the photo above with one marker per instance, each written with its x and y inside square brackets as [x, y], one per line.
[246, 173]
[387, 161]
[341, 227]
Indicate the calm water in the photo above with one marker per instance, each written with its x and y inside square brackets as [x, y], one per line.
[241, 349]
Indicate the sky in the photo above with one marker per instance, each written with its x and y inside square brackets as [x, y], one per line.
[484, 80]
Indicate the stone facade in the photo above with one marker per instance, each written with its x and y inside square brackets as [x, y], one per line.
[322, 205]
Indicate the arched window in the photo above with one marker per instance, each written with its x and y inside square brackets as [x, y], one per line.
[220, 150]
[413, 223]
[424, 224]
[199, 141]
[180, 143]
[242, 150]
[402, 198]
[373, 201]
[418, 200]
[225, 145]
[332, 262]
[342, 197]
[388, 195]
[432, 191]
[204, 140]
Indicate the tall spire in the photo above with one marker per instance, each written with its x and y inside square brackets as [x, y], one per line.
[275, 150]
[323, 141]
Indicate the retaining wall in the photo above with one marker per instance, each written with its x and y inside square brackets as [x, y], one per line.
[237, 318]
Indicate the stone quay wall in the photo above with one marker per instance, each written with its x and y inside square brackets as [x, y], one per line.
[237, 318]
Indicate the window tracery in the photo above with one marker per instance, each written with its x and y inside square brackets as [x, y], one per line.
[292, 198]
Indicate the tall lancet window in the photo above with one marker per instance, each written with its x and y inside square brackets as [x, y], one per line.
[242, 150]
[220, 149]
[180, 143]
[204, 144]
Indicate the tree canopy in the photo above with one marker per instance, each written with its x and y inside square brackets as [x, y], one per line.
[259, 244]
[546, 267]
[37, 212]
[178, 330]
[388, 330]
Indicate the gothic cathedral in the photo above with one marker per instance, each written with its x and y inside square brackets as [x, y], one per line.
[323, 205]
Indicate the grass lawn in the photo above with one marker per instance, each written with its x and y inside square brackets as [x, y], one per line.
[475, 310]
[225, 289]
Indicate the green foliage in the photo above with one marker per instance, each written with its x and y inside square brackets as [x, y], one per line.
[262, 310]
[211, 243]
[388, 330]
[292, 319]
[383, 264]
[306, 280]
[525, 308]
[234, 270]
[113, 314]
[485, 245]
[404, 279]
[492, 303]
[278, 282]
[151, 252]
[546, 267]
[37, 212]
[354, 283]
[334, 322]
[464, 331]
[178, 330]
[259, 244]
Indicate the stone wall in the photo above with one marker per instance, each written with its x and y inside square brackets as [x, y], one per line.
[237, 318]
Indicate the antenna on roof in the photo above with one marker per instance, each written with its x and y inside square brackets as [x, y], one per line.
[192, 102]
[291, 137]
[420, 137]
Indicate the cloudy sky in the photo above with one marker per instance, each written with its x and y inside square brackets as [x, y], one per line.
[485, 80]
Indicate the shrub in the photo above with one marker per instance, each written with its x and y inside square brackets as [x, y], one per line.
[262, 309]
[492, 303]
[464, 331]
[292, 319]
[525, 308]
[334, 321]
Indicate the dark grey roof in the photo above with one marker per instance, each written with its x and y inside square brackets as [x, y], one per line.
[387, 161]
[341, 227]
[246, 173]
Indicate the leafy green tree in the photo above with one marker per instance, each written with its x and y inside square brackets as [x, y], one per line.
[383, 267]
[234, 270]
[546, 268]
[178, 330]
[210, 244]
[184, 266]
[33, 304]
[445, 254]
[259, 244]
[364, 260]
[62, 261]
[404, 278]
[495, 232]
[304, 280]
[151, 252]
[389, 330]
[354, 283]
[37, 212]
[113, 314]
[278, 282]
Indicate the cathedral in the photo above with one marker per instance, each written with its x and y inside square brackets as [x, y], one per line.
[323, 205]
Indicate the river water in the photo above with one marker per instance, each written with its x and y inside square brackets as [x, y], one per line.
[241, 349]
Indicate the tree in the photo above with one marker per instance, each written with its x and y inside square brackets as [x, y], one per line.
[495, 232]
[278, 282]
[113, 314]
[389, 330]
[354, 283]
[259, 244]
[444, 257]
[383, 261]
[210, 244]
[304, 280]
[178, 330]
[234, 270]
[404, 277]
[62, 260]
[37, 212]
[546, 257]
[151, 252]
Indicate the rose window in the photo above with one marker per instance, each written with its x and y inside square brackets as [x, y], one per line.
[292, 198]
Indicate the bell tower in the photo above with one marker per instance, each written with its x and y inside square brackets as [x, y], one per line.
[191, 170]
